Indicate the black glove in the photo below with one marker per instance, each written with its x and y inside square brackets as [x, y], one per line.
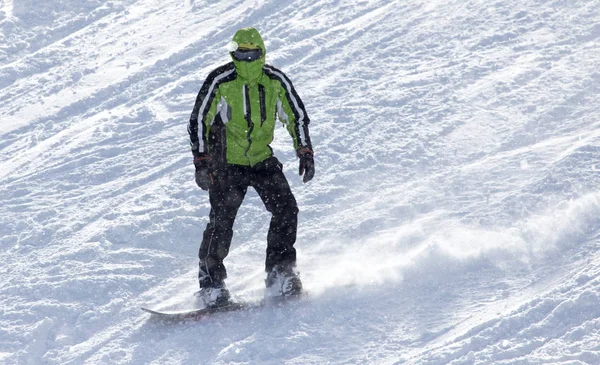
[203, 175]
[307, 164]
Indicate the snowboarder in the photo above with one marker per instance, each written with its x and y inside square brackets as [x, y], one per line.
[231, 127]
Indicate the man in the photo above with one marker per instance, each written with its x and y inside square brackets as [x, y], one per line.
[230, 128]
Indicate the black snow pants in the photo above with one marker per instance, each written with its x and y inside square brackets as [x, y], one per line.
[226, 194]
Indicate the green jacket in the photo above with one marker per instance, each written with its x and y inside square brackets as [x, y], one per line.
[233, 119]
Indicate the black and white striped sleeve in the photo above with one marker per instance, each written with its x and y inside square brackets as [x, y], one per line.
[299, 124]
[197, 127]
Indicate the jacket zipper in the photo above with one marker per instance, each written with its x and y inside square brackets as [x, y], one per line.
[263, 104]
[248, 117]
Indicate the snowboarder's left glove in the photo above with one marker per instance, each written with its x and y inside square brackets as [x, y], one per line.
[307, 164]
[203, 175]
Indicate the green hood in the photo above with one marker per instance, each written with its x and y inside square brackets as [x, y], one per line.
[250, 71]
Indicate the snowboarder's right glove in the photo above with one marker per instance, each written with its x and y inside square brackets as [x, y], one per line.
[203, 175]
[307, 164]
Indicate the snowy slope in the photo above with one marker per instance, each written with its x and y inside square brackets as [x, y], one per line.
[454, 217]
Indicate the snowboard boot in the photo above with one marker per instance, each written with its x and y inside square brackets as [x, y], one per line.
[283, 282]
[212, 297]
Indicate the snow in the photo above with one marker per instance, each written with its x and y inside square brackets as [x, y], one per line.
[453, 219]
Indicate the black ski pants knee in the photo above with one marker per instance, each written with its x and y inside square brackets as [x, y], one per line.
[226, 194]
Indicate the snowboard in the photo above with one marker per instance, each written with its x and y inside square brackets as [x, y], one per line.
[198, 314]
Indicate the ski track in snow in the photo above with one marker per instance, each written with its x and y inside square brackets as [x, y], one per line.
[453, 218]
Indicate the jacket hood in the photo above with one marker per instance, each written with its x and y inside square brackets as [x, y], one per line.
[250, 71]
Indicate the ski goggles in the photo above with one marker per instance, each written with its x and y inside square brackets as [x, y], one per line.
[247, 55]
